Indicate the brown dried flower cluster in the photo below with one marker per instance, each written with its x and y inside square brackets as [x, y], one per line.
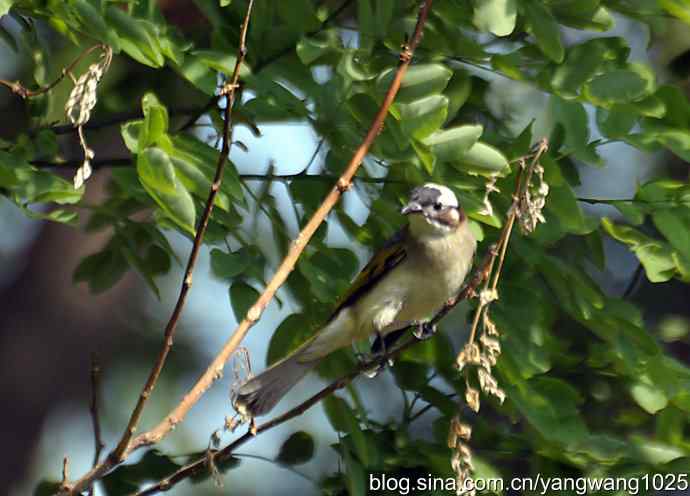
[81, 102]
[533, 198]
[482, 354]
[490, 187]
[458, 436]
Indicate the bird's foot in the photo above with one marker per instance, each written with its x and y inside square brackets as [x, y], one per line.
[424, 330]
[377, 359]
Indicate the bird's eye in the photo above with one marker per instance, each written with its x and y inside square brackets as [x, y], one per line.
[438, 206]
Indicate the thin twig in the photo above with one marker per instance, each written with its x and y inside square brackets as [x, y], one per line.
[197, 466]
[64, 484]
[344, 182]
[18, 89]
[93, 409]
[124, 445]
[499, 251]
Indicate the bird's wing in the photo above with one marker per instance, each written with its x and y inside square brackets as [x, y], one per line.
[388, 256]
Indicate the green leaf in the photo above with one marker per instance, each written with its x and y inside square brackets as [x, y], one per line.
[356, 477]
[482, 158]
[584, 61]
[57, 215]
[242, 297]
[495, 16]
[127, 478]
[650, 398]
[137, 38]
[155, 124]
[584, 15]
[673, 328]
[624, 234]
[458, 91]
[563, 204]
[550, 405]
[297, 449]
[311, 48]
[449, 145]
[410, 376]
[615, 122]
[329, 272]
[157, 175]
[102, 270]
[632, 211]
[220, 61]
[343, 419]
[5, 6]
[338, 412]
[130, 132]
[420, 81]
[572, 116]
[156, 171]
[424, 116]
[292, 332]
[202, 157]
[45, 487]
[424, 155]
[545, 29]
[354, 66]
[91, 19]
[674, 224]
[655, 256]
[654, 452]
[299, 15]
[621, 85]
[367, 24]
[39, 186]
[229, 265]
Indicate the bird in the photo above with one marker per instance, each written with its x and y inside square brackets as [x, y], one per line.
[406, 282]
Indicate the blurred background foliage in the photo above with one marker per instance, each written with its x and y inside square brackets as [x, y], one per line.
[593, 307]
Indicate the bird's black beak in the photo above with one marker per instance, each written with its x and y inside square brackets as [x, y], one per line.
[411, 208]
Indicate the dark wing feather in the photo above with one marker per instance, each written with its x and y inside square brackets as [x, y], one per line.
[388, 256]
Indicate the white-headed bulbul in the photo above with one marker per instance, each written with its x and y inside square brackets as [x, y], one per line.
[406, 282]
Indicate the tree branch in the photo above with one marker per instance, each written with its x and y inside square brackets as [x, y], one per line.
[124, 445]
[343, 183]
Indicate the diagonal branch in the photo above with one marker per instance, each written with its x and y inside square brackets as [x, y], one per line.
[123, 447]
[344, 182]
[201, 464]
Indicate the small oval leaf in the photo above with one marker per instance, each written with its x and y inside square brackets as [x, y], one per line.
[450, 144]
[297, 449]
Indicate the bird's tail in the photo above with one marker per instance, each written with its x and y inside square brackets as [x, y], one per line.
[261, 393]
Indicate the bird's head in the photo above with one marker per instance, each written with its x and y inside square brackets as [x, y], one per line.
[433, 210]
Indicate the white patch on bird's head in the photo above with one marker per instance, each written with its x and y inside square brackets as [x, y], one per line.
[446, 197]
[433, 211]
